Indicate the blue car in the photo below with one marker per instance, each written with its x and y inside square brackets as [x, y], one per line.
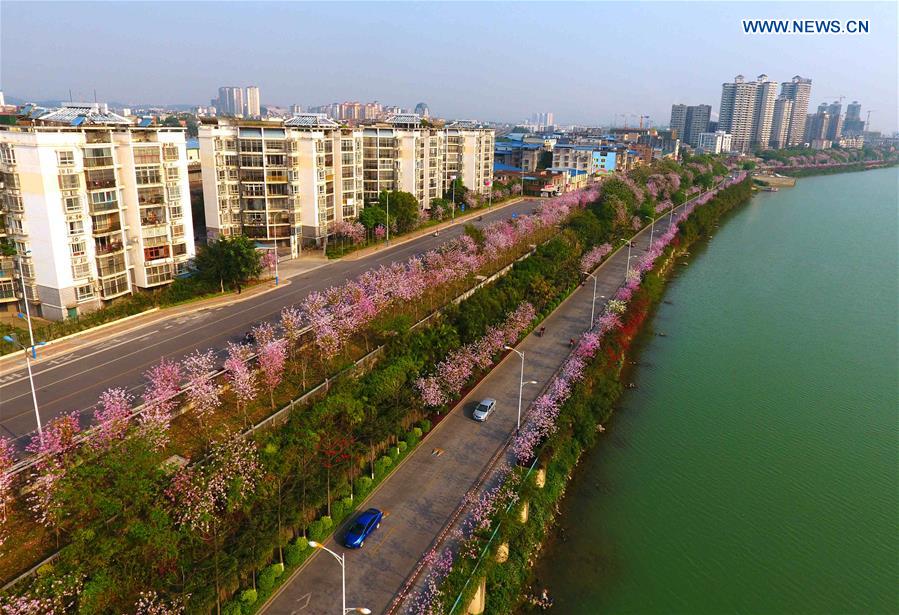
[365, 524]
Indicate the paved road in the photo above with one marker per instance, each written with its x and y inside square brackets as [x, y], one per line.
[423, 493]
[74, 380]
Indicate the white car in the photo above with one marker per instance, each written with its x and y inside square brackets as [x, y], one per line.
[484, 409]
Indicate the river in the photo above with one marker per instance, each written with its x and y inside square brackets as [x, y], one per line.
[754, 469]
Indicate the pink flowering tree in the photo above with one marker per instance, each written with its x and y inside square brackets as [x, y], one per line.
[7, 459]
[203, 495]
[151, 603]
[240, 376]
[272, 360]
[112, 417]
[161, 394]
[56, 453]
[269, 261]
[203, 392]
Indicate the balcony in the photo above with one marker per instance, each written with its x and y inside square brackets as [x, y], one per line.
[106, 228]
[152, 216]
[107, 248]
[114, 287]
[98, 136]
[110, 264]
[98, 162]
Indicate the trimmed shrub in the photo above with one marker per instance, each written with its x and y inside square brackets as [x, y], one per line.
[327, 523]
[394, 452]
[416, 431]
[425, 425]
[279, 568]
[248, 597]
[268, 576]
[337, 509]
[316, 530]
[363, 486]
[348, 505]
[232, 608]
[292, 555]
[382, 466]
[402, 446]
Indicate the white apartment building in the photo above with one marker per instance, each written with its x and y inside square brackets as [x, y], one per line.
[799, 90]
[763, 115]
[280, 182]
[715, 142]
[94, 205]
[469, 154]
[737, 110]
[401, 154]
[285, 182]
[780, 124]
[254, 109]
[580, 157]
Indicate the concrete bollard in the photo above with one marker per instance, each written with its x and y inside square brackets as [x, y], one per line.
[479, 601]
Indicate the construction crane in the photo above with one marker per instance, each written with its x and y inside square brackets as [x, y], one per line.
[868, 120]
[642, 117]
[840, 97]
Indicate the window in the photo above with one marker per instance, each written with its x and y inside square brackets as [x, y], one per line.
[72, 203]
[251, 145]
[69, 182]
[84, 293]
[7, 154]
[76, 227]
[103, 200]
[148, 176]
[77, 248]
[173, 193]
[146, 155]
[81, 269]
[156, 252]
[66, 158]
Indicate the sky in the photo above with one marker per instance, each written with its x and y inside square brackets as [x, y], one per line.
[585, 62]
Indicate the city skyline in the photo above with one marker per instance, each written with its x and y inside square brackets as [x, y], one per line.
[472, 81]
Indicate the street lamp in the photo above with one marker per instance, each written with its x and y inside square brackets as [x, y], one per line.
[627, 268]
[453, 179]
[521, 384]
[387, 198]
[341, 559]
[12, 339]
[593, 305]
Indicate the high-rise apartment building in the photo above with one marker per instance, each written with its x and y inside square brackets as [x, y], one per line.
[678, 120]
[763, 114]
[94, 205]
[281, 182]
[853, 125]
[697, 122]
[715, 142]
[469, 154]
[780, 122]
[835, 128]
[231, 101]
[254, 109]
[799, 90]
[736, 116]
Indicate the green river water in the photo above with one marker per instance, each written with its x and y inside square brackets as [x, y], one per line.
[754, 469]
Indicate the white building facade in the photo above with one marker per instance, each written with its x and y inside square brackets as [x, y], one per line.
[715, 142]
[95, 206]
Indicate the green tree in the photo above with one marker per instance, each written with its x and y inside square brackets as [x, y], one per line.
[372, 216]
[228, 261]
[404, 210]
[172, 122]
[545, 161]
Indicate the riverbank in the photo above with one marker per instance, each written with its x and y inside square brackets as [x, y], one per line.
[520, 513]
[855, 167]
[758, 449]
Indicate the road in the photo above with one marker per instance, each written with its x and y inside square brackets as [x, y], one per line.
[67, 381]
[422, 494]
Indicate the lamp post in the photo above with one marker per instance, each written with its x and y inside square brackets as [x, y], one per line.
[387, 198]
[521, 384]
[12, 339]
[453, 179]
[341, 559]
[627, 268]
[25, 301]
[592, 305]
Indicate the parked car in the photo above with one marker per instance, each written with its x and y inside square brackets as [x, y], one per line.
[365, 524]
[484, 409]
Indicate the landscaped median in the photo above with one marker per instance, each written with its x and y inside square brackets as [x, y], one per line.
[141, 524]
[488, 563]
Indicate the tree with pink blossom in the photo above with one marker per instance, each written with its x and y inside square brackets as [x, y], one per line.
[202, 391]
[112, 417]
[161, 394]
[55, 453]
[7, 459]
[204, 494]
[151, 603]
[240, 376]
[272, 358]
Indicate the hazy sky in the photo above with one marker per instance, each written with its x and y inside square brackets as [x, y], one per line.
[585, 62]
